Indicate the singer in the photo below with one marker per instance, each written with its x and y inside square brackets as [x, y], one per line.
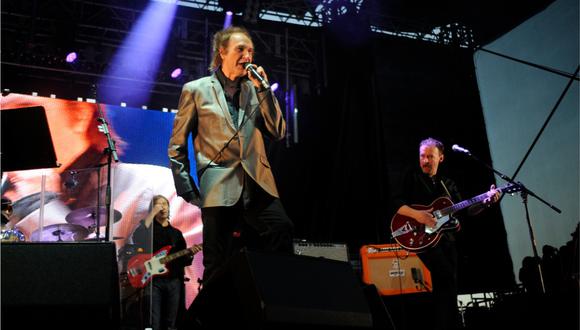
[422, 185]
[227, 114]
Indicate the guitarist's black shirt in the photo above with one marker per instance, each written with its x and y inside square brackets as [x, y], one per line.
[161, 237]
[417, 187]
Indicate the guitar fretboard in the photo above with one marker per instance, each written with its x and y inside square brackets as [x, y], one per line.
[472, 201]
[176, 255]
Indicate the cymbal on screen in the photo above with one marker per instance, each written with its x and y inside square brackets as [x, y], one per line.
[60, 232]
[87, 217]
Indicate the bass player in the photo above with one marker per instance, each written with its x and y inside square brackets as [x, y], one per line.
[167, 292]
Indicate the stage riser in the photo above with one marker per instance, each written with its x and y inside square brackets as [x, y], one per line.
[267, 291]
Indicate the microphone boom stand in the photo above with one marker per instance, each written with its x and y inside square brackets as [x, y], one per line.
[524, 194]
[524, 191]
[111, 152]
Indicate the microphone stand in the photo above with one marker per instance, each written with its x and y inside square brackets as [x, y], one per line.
[98, 209]
[111, 152]
[524, 192]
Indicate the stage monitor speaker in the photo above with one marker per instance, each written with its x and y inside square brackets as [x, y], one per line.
[393, 270]
[66, 285]
[259, 290]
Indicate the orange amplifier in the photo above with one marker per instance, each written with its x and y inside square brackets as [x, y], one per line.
[394, 270]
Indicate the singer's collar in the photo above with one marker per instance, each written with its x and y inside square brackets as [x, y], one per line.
[230, 87]
[227, 82]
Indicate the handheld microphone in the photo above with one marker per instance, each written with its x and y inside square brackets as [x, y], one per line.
[250, 67]
[457, 148]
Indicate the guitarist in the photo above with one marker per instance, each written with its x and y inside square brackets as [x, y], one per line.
[167, 290]
[422, 186]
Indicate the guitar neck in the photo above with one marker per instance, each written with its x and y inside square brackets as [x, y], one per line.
[468, 202]
[175, 255]
[464, 204]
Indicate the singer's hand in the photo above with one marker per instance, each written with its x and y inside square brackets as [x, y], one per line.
[254, 80]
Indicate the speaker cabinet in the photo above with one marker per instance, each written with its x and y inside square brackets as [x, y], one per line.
[258, 290]
[66, 285]
[393, 270]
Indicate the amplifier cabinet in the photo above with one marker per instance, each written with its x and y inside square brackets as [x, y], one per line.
[394, 270]
[333, 251]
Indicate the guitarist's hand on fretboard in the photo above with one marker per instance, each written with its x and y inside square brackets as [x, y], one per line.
[493, 196]
[196, 248]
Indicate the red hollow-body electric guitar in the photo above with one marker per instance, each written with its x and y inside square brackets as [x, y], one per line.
[416, 237]
[143, 267]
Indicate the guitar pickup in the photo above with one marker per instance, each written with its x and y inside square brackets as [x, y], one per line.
[135, 271]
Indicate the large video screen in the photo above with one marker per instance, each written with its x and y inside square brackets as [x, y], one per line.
[68, 201]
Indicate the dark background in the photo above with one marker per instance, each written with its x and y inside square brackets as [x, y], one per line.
[366, 100]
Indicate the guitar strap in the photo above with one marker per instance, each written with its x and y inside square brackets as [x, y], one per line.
[446, 190]
[450, 198]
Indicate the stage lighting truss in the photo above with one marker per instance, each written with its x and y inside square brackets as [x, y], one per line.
[317, 13]
[100, 30]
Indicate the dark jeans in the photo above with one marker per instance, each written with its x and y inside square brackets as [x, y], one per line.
[165, 300]
[442, 263]
[262, 224]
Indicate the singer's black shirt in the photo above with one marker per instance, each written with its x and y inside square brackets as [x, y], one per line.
[232, 93]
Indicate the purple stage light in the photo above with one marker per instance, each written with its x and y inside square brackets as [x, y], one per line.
[137, 61]
[176, 73]
[71, 57]
[228, 19]
[274, 86]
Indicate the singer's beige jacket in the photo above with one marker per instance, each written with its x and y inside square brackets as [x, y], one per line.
[203, 113]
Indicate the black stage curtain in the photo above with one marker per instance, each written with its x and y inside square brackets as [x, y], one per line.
[381, 96]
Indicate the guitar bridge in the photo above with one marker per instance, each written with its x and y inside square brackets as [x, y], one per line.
[406, 228]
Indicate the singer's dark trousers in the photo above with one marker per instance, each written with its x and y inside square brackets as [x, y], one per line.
[261, 225]
[441, 261]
